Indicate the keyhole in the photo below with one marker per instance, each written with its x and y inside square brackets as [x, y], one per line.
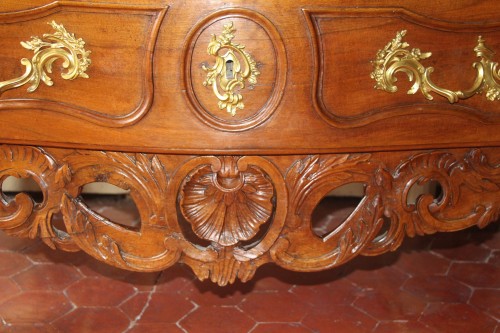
[229, 70]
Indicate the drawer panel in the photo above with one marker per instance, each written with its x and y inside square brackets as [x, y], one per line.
[313, 92]
[346, 43]
[120, 38]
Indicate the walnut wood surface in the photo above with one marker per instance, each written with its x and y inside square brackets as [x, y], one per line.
[246, 211]
[145, 89]
[227, 194]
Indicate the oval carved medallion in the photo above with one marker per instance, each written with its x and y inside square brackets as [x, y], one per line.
[257, 48]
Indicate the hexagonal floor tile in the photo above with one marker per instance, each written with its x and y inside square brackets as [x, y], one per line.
[166, 308]
[11, 243]
[457, 318]
[280, 327]
[274, 307]
[155, 328]
[479, 275]
[465, 252]
[422, 263]
[386, 304]
[134, 305]
[12, 263]
[93, 320]
[334, 293]
[99, 292]
[217, 319]
[7, 289]
[402, 326]
[437, 288]
[342, 318]
[487, 300]
[35, 307]
[47, 277]
[29, 328]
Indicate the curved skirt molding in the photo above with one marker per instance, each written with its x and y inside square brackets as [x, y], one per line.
[245, 211]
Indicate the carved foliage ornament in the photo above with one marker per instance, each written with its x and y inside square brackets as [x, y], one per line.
[231, 70]
[24, 217]
[395, 57]
[61, 45]
[225, 204]
[470, 188]
[227, 200]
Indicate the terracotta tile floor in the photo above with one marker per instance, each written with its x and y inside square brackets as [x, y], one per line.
[440, 283]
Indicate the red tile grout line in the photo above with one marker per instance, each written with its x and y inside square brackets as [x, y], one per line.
[420, 319]
[178, 323]
[145, 307]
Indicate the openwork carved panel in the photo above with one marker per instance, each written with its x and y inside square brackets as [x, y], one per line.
[245, 211]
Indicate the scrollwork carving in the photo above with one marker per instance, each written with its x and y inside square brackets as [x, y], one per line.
[228, 200]
[309, 181]
[22, 216]
[147, 180]
[462, 180]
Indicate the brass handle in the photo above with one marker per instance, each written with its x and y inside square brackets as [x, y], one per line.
[58, 45]
[230, 71]
[395, 57]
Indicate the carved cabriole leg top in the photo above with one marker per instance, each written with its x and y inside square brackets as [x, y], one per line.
[224, 216]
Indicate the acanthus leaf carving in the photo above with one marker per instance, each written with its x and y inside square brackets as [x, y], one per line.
[459, 179]
[278, 225]
[22, 216]
[85, 226]
[225, 269]
[309, 180]
[312, 172]
[147, 180]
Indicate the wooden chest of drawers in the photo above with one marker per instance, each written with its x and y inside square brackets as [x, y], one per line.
[229, 121]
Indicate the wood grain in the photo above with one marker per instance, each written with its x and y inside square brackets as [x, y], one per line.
[120, 64]
[298, 118]
[226, 194]
[246, 211]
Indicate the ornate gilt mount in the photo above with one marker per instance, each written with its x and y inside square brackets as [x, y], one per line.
[395, 57]
[231, 71]
[58, 45]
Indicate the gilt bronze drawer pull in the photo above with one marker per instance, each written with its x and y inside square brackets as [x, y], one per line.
[395, 57]
[58, 45]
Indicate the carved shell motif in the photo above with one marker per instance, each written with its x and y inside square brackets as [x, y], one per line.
[227, 205]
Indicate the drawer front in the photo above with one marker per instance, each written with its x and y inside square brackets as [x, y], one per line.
[119, 42]
[310, 88]
[348, 45]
